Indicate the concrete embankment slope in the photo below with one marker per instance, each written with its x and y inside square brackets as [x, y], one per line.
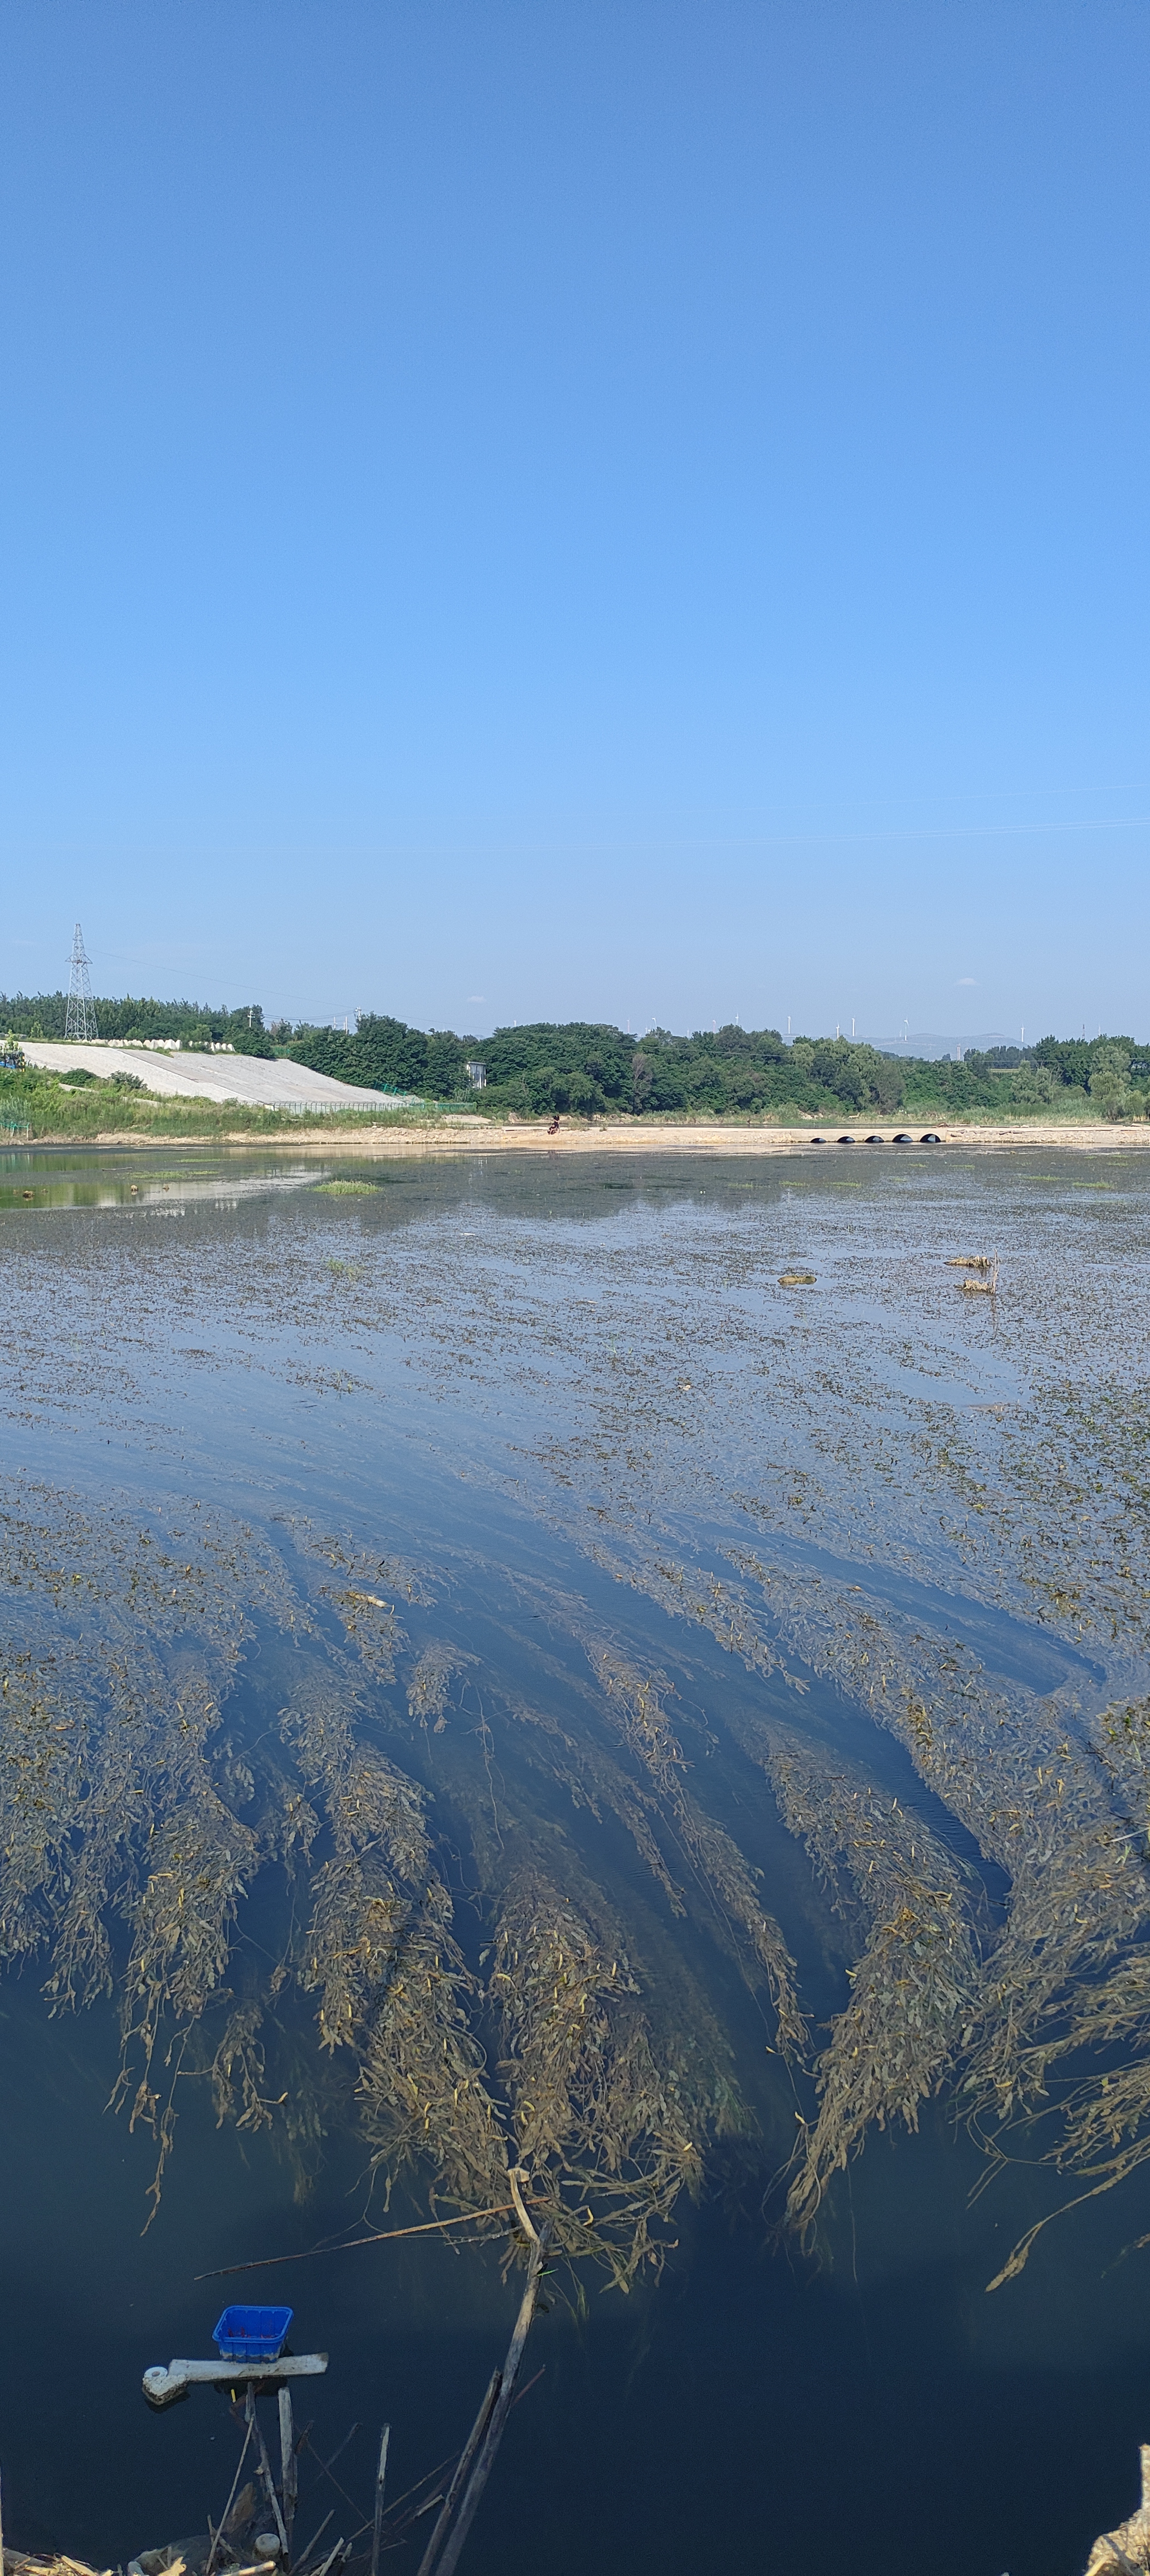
[261, 1082]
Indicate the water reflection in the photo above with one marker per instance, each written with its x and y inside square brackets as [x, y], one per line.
[55, 1177]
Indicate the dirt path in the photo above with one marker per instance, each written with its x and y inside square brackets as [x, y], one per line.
[476, 1136]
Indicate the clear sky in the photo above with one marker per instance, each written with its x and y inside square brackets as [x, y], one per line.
[553, 508]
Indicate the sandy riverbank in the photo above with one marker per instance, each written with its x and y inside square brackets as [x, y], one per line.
[476, 1136]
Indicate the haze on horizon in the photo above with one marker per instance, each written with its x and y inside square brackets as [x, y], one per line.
[630, 513]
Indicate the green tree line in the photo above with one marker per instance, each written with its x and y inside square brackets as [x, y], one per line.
[193, 1024]
[586, 1068]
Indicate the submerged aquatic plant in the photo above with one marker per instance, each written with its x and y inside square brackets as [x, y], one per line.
[578, 2046]
[131, 1795]
[531, 1900]
[914, 1984]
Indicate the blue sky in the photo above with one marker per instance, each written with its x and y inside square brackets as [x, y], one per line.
[622, 510]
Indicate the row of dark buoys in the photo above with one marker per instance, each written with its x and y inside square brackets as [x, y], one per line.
[903, 1138]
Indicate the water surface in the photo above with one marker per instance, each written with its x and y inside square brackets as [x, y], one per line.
[532, 1477]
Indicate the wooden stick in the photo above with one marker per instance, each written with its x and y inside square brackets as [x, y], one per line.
[317, 2535]
[218, 2535]
[382, 2236]
[328, 2560]
[466, 2457]
[329, 2464]
[1118, 2554]
[380, 2481]
[455, 2489]
[266, 2468]
[515, 2176]
[288, 2480]
[469, 2503]
[428, 2480]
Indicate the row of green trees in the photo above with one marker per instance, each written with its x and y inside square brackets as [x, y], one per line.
[588, 1067]
[1113, 1072]
[385, 1055]
[133, 1018]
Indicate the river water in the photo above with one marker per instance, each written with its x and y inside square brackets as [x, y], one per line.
[787, 1641]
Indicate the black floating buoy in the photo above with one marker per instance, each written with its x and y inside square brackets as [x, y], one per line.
[930, 1138]
[903, 1138]
[846, 1140]
[876, 1140]
[818, 1140]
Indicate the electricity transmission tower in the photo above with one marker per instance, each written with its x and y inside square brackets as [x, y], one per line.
[81, 1016]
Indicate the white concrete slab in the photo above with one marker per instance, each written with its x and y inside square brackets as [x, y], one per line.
[262, 1082]
[162, 2385]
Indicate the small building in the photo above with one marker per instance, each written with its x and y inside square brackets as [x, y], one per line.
[476, 1074]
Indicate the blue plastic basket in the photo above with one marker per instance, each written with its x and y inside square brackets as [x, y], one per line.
[252, 2334]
